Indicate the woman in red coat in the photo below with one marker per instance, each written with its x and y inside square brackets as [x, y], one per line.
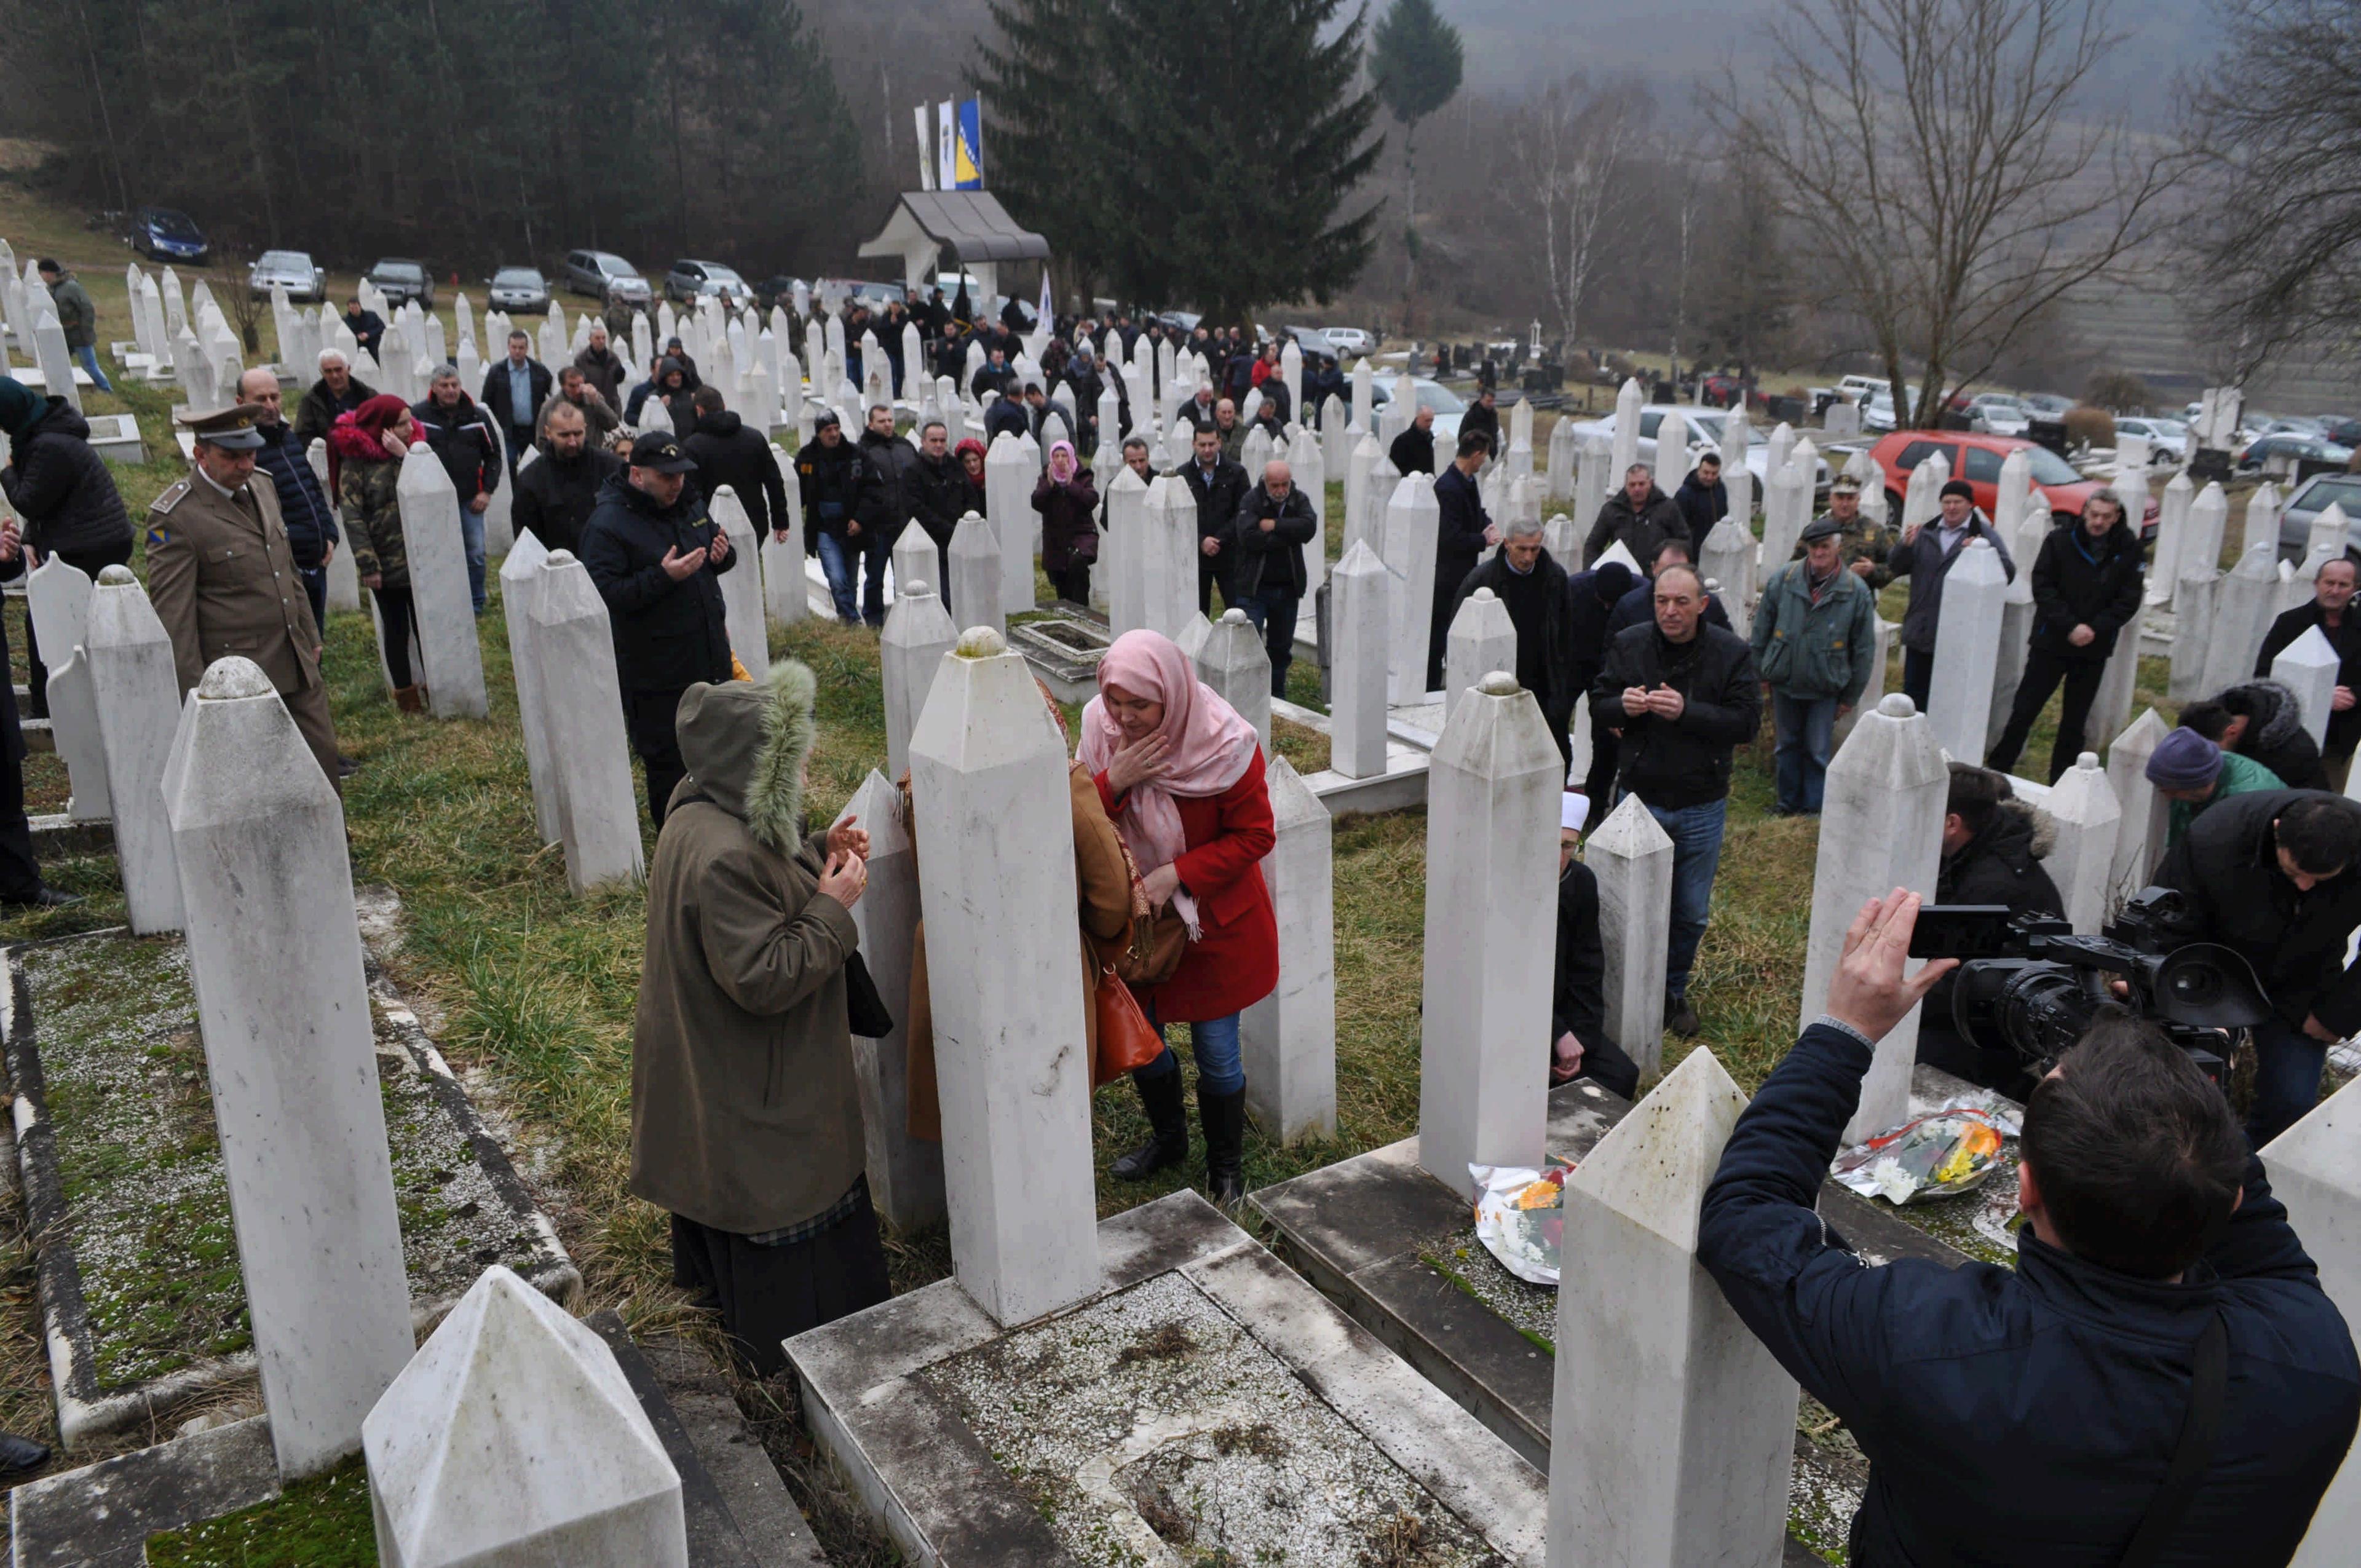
[1183, 778]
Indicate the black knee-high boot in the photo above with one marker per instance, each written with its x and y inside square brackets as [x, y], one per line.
[1168, 1119]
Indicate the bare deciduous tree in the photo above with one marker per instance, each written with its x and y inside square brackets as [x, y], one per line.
[1954, 167]
[2276, 128]
[1571, 146]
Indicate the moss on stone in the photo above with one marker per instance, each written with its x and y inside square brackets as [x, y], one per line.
[322, 1522]
[139, 1162]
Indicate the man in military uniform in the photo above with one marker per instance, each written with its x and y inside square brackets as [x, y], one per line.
[1866, 540]
[223, 580]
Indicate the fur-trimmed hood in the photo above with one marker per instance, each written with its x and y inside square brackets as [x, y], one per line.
[745, 743]
[2273, 714]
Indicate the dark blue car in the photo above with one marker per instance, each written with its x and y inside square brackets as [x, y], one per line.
[163, 235]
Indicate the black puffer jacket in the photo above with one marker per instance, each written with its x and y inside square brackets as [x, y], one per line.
[668, 635]
[1680, 762]
[2002, 863]
[727, 451]
[60, 485]
[2079, 582]
[893, 459]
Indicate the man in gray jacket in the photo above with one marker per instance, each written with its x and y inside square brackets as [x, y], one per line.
[1815, 639]
[1924, 557]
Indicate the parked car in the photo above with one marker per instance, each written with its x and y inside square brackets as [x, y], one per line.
[688, 279]
[2046, 405]
[1351, 339]
[519, 290]
[877, 296]
[1448, 405]
[2342, 431]
[2168, 438]
[1705, 432]
[1977, 458]
[161, 233]
[2295, 446]
[606, 277]
[1999, 414]
[401, 281]
[289, 269]
[1312, 340]
[2312, 498]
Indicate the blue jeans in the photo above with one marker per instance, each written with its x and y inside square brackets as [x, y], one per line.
[1272, 610]
[2286, 1078]
[87, 357]
[841, 559]
[1807, 729]
[1220, 1066]
[471, 528]
[1696, 833]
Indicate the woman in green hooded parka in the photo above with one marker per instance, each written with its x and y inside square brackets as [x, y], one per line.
[745, 1117]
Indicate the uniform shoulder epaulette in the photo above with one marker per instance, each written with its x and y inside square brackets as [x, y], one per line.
[170, 498]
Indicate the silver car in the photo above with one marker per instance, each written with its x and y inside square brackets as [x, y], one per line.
[1351, 339]
[1705, 433]
[2312, 498]
[290, 268]
[520, 291]
[688, 279]
[603, 275]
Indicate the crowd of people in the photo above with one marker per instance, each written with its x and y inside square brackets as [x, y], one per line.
[752, 978]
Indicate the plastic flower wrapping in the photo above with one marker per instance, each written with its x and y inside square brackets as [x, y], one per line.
[1947, 1151]
[1521, 1217]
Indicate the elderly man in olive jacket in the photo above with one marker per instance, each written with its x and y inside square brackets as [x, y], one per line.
[745, 1116]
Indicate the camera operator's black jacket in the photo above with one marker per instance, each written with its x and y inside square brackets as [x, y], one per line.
[2026, 1418]
[2227, 866]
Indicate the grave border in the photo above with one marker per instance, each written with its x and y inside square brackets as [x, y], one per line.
[86, 1411]
[924, 1475]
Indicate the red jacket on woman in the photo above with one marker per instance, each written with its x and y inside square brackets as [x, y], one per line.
[1236, 963]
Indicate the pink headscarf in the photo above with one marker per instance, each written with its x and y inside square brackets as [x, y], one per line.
[1208, 746]
[1073, 464]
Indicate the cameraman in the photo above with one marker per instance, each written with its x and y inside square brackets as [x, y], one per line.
[2161, 1365]
[2271, 876]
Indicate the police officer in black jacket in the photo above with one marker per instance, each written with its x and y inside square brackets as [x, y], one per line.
[655, 555]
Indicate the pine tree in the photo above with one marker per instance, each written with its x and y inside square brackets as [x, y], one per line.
[1044, 89]
[1227, 147]
[1415, 63]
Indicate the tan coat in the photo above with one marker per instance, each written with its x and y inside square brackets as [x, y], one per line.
[224, 581]
[1103, 882]
[745, 1116]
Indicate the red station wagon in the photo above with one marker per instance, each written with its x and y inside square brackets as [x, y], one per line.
[1977, 459]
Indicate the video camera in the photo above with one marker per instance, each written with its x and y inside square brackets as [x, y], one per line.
[2027, 983]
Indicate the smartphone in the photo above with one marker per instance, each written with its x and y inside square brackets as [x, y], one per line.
[1962, 931]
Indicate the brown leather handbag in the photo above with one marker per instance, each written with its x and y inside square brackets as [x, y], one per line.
[1126, 1039]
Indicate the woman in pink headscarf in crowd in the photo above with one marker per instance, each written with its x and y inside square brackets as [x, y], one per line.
[1066, 499]
[1182, 776]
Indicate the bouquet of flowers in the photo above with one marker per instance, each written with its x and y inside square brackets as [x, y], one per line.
[1952, 1150]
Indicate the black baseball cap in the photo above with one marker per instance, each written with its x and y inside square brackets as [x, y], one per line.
[655, 449]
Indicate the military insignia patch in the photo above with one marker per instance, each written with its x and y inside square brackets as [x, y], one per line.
[157, 536]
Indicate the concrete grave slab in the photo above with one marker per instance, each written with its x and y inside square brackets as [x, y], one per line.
[1205, 1399]
[1393, 1247]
